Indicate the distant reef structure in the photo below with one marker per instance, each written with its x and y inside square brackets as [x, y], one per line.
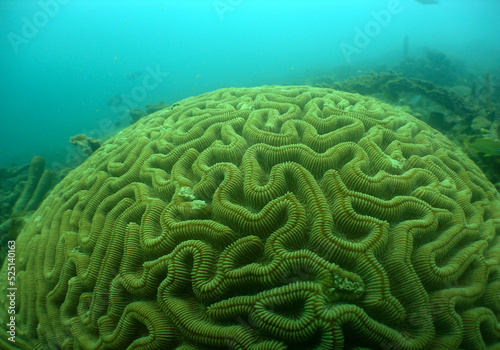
[440, 107]
[85, 143]
[433, 66]
[136, 114]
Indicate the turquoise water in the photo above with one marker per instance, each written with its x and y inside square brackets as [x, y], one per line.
[64, 62]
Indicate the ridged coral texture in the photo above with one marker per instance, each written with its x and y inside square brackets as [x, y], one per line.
[276, 217]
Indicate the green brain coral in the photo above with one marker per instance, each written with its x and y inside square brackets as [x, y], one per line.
[264, 218]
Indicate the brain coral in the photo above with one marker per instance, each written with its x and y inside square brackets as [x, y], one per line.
[264, 218]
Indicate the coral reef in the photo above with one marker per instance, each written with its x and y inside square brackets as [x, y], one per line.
[434, 66]
[444, 97]
[283, 217]
[392, 87]
[21, 194]
[36, 187]
[11, 185]
[87, 144]
[462, 113]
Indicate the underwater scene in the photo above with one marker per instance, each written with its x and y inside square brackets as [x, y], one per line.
[249, 174]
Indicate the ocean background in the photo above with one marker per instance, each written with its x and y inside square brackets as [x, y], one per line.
[63, 61]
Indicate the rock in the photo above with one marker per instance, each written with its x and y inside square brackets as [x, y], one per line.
[87, 144]
[479, 123]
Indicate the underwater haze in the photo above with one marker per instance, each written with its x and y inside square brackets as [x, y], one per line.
[74, 66]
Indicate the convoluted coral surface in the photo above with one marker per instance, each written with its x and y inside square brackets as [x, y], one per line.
[264, 218]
